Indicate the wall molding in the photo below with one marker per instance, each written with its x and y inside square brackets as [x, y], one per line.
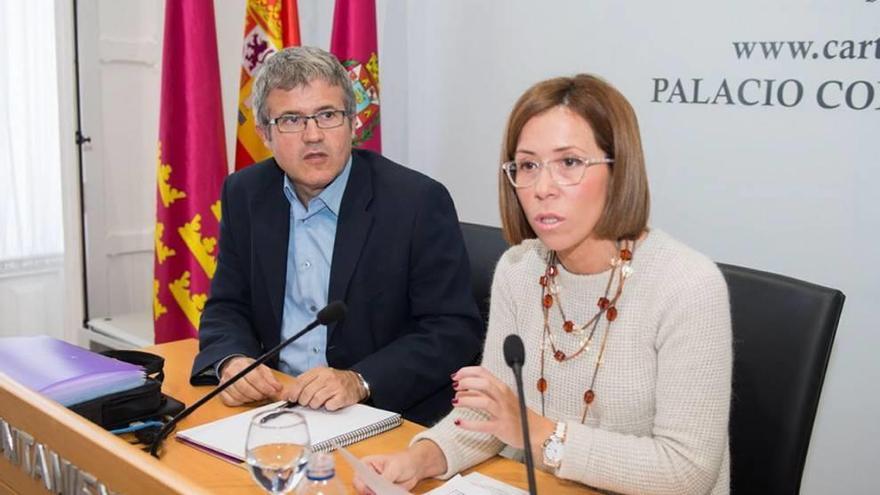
[136, 52]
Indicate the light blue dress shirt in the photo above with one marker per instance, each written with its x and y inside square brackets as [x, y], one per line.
[309, 254]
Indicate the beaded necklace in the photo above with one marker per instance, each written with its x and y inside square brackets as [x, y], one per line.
[550, 295]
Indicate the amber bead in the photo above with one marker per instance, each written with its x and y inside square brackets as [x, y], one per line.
[542, 385]
[543, 281]
[611, 314]
[548, 300]
[551, 270]
[626, 254]
[589, 395]
[568, 326]
[603, 303]
[559, 356]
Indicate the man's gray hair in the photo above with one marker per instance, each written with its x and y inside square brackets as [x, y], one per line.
[298, 66]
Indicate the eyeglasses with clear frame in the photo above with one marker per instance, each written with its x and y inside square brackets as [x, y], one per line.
[325, 119]
[566, 171]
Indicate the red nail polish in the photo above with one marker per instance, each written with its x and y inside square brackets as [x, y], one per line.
[457, 422]
[455, 385]
[454, 401]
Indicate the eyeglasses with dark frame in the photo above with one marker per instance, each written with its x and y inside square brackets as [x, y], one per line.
[566, 171]
[325, 119]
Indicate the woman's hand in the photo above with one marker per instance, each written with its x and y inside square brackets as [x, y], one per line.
[421, 460]
[477, 388]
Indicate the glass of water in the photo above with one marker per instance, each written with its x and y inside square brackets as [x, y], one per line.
[278, 449]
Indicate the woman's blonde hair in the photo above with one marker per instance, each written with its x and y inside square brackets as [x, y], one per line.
[616, 130]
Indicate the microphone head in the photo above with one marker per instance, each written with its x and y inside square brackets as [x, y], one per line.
[331, 313]
[514, 352]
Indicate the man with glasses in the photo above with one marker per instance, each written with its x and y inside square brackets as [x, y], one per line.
[320, 222]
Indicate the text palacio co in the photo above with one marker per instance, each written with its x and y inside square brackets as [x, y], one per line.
[830, 94]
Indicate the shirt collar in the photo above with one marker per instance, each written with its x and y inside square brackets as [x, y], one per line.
[331, 196]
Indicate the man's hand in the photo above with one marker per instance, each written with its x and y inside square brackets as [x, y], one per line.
[257, 385]
[327, 387]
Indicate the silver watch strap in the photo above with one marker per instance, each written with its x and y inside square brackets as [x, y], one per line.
[560, 430]
[364, 384]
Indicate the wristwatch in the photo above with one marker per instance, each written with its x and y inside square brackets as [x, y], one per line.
[364, 385]
[554, 447]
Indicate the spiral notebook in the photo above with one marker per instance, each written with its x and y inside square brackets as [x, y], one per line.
[226, 437]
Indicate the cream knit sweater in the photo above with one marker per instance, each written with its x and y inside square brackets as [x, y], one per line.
[659, 421]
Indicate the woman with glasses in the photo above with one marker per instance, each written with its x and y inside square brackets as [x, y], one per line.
[627, 331]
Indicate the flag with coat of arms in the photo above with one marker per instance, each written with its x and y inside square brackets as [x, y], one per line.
[269, 26]
[354, 44]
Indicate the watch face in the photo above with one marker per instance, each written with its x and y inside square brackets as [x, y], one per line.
[553, 450]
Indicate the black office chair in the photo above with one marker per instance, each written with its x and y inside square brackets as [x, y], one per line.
[783, 330]
[485, 245]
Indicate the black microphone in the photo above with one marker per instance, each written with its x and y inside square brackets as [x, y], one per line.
[332, 312]
[515, 355]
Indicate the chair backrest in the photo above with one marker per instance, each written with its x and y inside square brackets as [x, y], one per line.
[485, 245]
[783, 330]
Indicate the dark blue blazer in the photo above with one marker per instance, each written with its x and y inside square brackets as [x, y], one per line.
[399, 264]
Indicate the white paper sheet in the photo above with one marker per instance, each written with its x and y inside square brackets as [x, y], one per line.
[476, 484]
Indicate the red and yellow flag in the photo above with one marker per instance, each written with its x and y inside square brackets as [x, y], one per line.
[354, 44]
[191, 165]
[269, 26]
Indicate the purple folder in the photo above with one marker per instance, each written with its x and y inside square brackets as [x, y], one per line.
[64, 372]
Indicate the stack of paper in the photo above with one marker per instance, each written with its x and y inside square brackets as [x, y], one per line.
[64, 372]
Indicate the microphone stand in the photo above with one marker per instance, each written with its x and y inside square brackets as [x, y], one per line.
[527, 442]
[515, 356]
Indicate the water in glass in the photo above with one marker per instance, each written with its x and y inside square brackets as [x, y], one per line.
[277, 449]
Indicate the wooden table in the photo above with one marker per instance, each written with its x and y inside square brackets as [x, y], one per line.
[220, 476]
